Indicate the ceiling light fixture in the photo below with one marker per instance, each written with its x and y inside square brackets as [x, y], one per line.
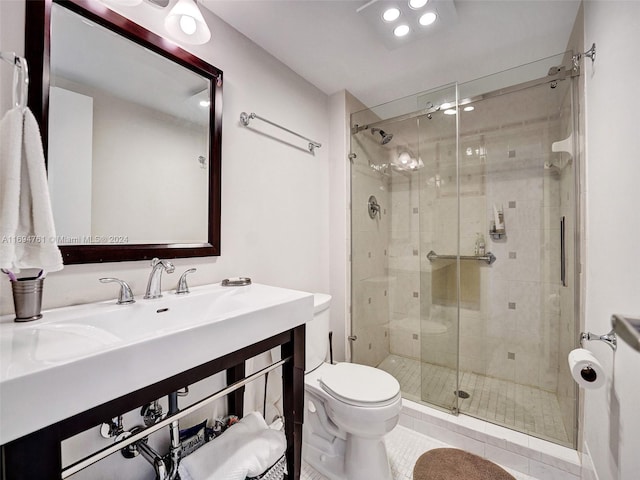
[391, 14]
[450, 111]
[416, 4]
[401, 30]
[469, 108]
[427, 19]
[185, 23]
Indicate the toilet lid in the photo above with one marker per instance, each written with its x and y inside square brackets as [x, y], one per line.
[359, 384]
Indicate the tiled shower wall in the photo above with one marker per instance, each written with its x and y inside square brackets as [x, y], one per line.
[404, 264]
[510, 315]
[371, 292]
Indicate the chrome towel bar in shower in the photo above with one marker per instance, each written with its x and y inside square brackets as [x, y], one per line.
[489, 257]
[245, 118]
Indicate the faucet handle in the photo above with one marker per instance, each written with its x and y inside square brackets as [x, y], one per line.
[182, 287]
[125, 296]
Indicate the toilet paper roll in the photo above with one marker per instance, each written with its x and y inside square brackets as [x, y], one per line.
[586, 370]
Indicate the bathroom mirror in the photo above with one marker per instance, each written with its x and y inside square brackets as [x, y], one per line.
[131, 129]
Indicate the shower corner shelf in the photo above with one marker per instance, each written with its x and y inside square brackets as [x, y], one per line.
[497, 234]
[489, 258]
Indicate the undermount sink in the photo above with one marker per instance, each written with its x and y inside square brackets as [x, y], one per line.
[79, 357]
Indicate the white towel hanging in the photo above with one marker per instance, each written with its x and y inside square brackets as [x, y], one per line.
[27, 233]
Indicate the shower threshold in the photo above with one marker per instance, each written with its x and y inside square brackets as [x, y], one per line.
[522, 408]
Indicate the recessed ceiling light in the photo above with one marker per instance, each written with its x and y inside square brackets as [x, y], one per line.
[469, 108]
[416, 4]
[391, 14]
[427, 19]
[401, 30]
[450, 111]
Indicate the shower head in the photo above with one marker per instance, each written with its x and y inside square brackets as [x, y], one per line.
[386, 137]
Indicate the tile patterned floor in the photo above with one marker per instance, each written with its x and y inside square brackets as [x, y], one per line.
[404, 446]
[526, 409]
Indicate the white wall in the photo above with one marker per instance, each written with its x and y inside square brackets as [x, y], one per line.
[275, 220]
[275, 195]
[339, 224]
[611, 417]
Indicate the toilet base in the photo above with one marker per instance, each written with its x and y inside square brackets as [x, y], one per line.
[327, 464]
[366, 459]
[356, 459]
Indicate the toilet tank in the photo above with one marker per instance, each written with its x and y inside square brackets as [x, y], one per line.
[317, 333]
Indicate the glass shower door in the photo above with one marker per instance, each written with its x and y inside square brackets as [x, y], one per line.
[404, 204]
[438, 246]
[513, 340]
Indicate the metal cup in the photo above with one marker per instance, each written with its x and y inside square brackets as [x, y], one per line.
[27, 298]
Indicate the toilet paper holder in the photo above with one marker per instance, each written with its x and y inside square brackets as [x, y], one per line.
[610, 338]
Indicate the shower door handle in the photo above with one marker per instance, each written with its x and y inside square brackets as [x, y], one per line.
[563, 268]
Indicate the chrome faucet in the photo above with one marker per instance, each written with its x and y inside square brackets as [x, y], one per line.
[182, 287]
[125, 297]
[154, 289]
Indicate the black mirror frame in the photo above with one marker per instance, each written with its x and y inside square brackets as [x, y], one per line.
[37, 53]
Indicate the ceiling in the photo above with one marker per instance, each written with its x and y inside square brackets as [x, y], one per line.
[334, 47]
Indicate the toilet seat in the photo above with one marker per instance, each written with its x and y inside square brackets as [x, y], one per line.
[360, 385]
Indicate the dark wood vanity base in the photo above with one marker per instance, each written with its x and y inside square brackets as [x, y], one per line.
[38, 455]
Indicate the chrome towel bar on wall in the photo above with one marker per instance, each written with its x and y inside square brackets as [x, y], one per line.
[245, 118]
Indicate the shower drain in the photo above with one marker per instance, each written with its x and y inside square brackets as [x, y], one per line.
[461, 394]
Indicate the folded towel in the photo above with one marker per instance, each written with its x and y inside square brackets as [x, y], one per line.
[27, 233]
[246, 449]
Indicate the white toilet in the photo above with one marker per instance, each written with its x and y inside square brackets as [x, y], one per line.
[348, 409]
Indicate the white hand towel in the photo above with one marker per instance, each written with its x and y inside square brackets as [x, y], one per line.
[247, 449]
[10, 162]
[28, 237]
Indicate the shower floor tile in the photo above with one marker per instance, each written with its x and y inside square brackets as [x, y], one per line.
[527, 409]
[404, 447]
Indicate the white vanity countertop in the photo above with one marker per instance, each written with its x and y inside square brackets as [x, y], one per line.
[79, 357]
